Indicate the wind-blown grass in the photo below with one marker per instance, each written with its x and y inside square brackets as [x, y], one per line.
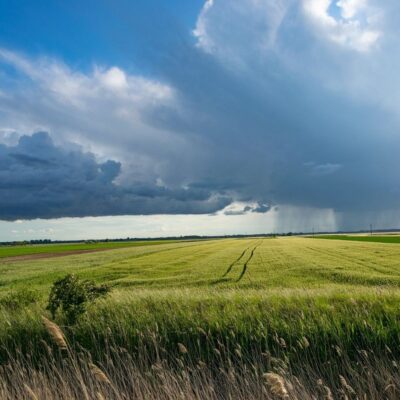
[176, 347]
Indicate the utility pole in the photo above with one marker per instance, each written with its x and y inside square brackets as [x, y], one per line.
[370, 228]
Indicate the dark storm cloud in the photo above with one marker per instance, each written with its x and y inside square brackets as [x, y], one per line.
[41, 180]
[293, 115]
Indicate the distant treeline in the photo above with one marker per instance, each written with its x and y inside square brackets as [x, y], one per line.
[190, 237]
[129, 239]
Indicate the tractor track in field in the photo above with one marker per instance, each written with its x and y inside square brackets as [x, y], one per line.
[244, 269]
[245, 264]
[236, 261]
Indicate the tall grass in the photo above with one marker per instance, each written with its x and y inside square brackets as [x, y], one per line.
[153, 372]
[169, 345]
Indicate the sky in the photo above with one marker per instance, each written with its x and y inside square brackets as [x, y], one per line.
[153, 118]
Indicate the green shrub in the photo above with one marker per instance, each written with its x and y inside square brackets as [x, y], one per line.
[71, 296]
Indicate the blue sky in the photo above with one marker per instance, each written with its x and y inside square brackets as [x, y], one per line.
[152, 118]
[94, 31]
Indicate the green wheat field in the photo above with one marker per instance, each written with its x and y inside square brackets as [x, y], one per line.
[205, 317]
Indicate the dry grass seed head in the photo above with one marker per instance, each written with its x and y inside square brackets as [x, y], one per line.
[182, 348]
[345, 385]
[56, 333]
[30, 392]
[100, 396]
[276, 385]
[99, 374]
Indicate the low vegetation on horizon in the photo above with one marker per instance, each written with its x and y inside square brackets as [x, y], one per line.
[395, 238]
[272, 318]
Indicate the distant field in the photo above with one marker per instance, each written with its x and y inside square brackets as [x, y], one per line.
[359, 238]
[24, 250]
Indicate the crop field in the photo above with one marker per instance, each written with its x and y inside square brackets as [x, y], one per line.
[209, 316]
[43, 249]
[273, 264]
[395, 238]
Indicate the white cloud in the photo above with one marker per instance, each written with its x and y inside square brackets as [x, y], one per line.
[77, 88]
[228, 28]
[350, 8]
[200, 32]
[352, 28]
[114, 78]
[254, 25]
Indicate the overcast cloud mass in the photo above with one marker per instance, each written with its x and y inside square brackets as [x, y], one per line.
[252, 108]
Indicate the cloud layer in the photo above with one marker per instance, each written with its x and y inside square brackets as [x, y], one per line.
[263, 103]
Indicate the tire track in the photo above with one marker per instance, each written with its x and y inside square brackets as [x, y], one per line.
[247, 262]
[236, 261]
